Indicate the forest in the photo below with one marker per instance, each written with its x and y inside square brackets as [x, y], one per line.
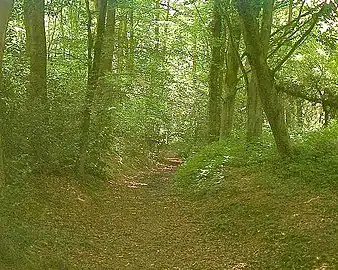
[168, 134]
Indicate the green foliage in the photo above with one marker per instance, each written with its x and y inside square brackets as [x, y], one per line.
[202, 170]
[205, 170]
[153, 96]
[315, 162]
[280, 211]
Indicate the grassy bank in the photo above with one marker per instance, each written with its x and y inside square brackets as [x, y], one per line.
[275, 213]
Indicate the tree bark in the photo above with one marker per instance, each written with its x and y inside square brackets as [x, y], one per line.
[254, 110]
[122, 43]
[37, 88]
[214, 76]
[265, 79]
[5, 11]
[230, 84]
[109, 38]
[131, 55]
[92, 81]
[254, 104]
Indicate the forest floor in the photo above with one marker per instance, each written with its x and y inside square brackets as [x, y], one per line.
[140, 223]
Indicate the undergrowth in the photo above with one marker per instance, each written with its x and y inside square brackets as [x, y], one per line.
[314, 163]
[280, 213]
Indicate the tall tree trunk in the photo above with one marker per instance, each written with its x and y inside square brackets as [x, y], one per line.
[109, 39]
[265, 78]
[166, 27]
[254, 109]
[122, 42]
[214, 76]
[254, 105]
[92, 81]
[157, 26]
[230, 90]
[37, 89]
[106, 89]
[131, 54]
[5, 11]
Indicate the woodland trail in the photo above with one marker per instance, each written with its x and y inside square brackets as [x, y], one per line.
[55, 222]
[142, 225]
[148, 228]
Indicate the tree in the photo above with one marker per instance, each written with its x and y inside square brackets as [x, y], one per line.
[254, 109]
[230, 81]
[5, 11]
[109, 37]
[94, 63]
[254, 106]
[256, 49]
[215, 74]
[257, 39]
[37, 89]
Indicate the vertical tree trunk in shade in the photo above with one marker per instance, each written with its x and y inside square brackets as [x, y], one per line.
[5, 11]
[286, 100]
[166, 27]
[214, 76]
[109, 38]
[265, 79]
[254, 105]
[157, 26]
[254, 109]
[37, 88]
[230, 90]
[92, 81]
[122, 42]
[131, 53]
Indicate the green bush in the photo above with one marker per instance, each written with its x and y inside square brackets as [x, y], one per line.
[315, 161]
[204, 170]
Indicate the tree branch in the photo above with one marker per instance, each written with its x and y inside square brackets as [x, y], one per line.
[300, 40]
[332, 101]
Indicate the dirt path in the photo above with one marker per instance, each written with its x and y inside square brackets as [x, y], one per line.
[57, 223]
[53, 222]
[141, 225]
